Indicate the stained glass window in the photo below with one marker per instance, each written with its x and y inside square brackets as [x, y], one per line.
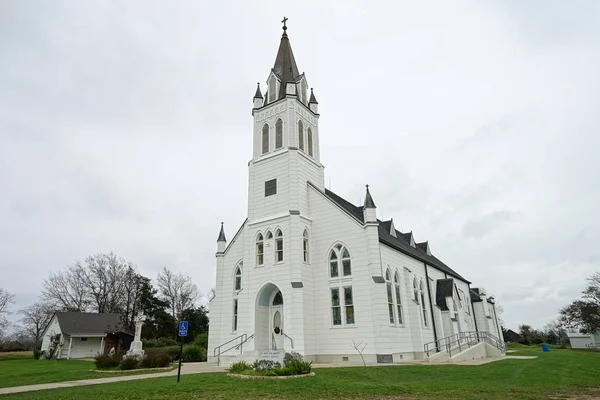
[333, 265]
[238, 279]
[278, 299]
[278, 246]
[235, 314]
[349, 304]
[335, 306]
[398, 297]
[259, 250]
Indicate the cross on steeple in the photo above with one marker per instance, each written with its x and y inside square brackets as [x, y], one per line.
[284, 21]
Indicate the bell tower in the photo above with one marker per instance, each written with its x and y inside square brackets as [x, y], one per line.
[286, 151]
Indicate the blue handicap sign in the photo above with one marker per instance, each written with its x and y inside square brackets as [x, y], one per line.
[183, 328]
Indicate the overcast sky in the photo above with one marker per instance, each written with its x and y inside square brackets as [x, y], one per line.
[126, 127]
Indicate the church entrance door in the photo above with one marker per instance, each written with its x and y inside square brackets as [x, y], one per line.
[269, 322]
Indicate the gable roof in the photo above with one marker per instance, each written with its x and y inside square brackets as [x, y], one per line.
[401, 242]
[88, 323]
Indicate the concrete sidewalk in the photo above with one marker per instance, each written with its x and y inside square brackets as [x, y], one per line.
[186, 369]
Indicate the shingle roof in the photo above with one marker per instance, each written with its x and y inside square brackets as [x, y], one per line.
[258, 94]
[400, 243]
[88, 323]
[221, 235]
[445, 288]
[285, 65]
[369, 203]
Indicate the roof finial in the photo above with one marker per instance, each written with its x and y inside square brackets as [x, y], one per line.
[284, 25]
[369, 203]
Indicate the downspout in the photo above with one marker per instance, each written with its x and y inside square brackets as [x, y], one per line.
[431, 306]
[472, 308]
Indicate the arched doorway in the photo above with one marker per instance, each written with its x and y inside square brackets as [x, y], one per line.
[269, 322]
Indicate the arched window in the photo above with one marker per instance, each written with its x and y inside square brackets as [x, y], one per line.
[398, 297]
[390, 297]
[300, 135]
[259, 250]
[279, 134]
[423, 304]
[310, 142]
[278, 299]
[235, 315]
[415, 290]
[339, 254]
[265, 139]
[305, 246]
[238, 278]
[278, 246]
[269, 235]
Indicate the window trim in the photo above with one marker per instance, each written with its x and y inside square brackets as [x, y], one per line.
[260, 244]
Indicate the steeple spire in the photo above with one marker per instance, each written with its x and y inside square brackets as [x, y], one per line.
[258, 94]
[369, 203]
[313, 99]
[285, 64]
[221, 235]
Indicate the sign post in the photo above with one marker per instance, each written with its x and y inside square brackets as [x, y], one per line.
[183, 329]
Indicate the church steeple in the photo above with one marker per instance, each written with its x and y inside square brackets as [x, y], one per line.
[285, 64]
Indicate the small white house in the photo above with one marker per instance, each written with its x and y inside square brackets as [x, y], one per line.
[84, 335]
[583, 340]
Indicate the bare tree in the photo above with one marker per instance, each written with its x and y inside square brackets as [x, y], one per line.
[360, 348]
[66, 290]
[104, 278]
[178, 289]
[6, 299]
[34, 320]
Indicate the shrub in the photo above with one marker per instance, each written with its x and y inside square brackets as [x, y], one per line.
[37, 354]
[131, 362]
[192, 353]
[296, 367]
[173, 352]
[156, 358]
[265, 365]
[104, 361]
[239, 366]
[201, 340]
[159, 342]
[293, 356]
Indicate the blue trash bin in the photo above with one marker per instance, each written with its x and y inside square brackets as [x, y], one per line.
[545, 347]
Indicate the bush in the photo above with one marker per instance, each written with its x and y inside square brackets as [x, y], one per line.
[296, 367]
[293, 356]
[201, 340]
[131, 362]
[104, 361]
[192, 353]
[159, 342]
[265, 365]
[239, 366]
[37, 354]
[173, 352]
[156, 358]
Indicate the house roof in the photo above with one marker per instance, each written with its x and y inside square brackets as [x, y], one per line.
[88, 323]
[475, 295]
[400, 243]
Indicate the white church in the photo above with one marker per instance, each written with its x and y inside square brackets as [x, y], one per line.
[311, 272]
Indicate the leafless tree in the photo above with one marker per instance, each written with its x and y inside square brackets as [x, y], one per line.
[34, 320]
[6, 299]
[178, 289]
[104, 278]
[66, 290]
[360, 347]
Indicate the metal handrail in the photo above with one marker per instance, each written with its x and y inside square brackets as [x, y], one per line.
[461, 339]
[243, 339]
[291, 340]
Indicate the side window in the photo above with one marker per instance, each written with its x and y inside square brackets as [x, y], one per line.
[238, 278]
[310, 142]
[265, 139]
[279, 134]
[305, 246]
[278, 246]
[300, 135]
[260, 250]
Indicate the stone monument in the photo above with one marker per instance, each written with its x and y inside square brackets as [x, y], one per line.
[136, 346]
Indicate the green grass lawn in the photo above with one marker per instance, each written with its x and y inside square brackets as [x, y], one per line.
[19, 371]
[559, 373]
